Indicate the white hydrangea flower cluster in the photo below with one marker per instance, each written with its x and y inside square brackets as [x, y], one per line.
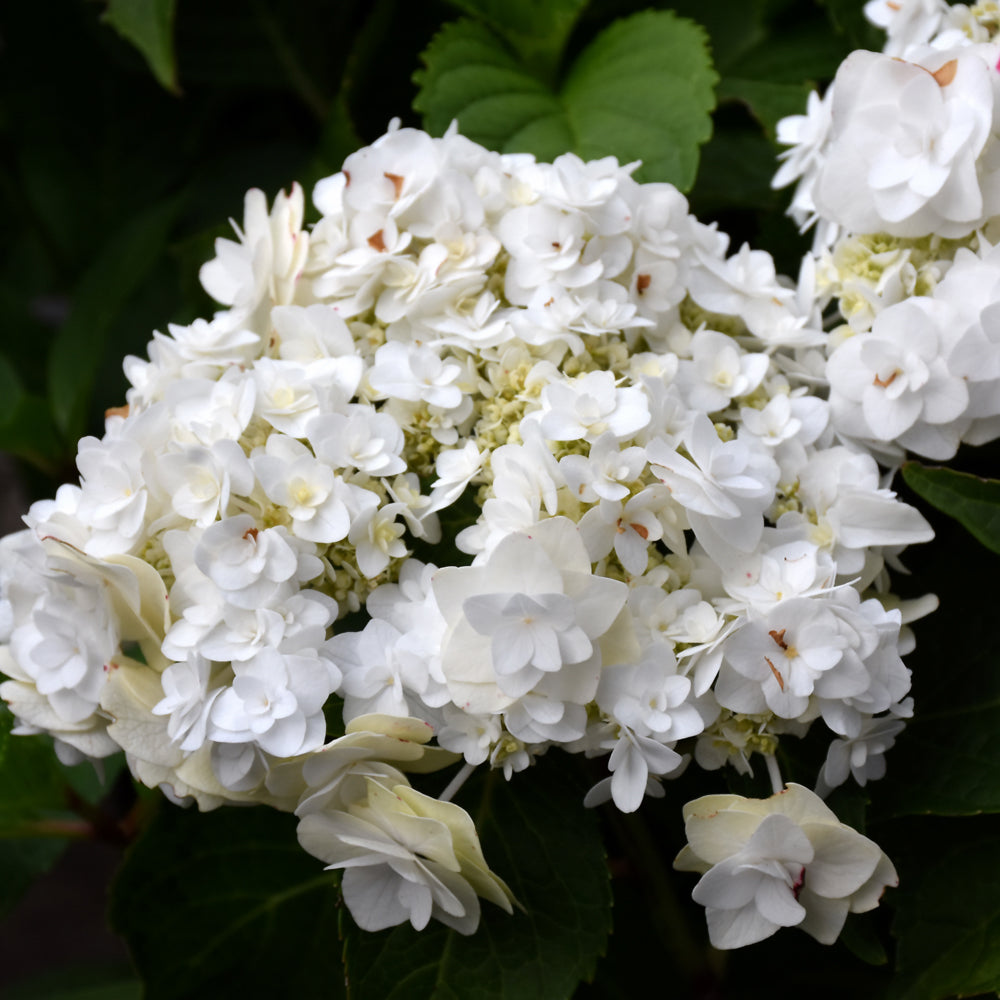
[668, 546]
[898, 165]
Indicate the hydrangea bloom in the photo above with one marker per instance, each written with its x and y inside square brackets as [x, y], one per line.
[670, 529]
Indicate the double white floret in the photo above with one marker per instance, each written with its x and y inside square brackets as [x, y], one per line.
[786, 861]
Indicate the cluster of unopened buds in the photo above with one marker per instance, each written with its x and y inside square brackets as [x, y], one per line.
[514, 456]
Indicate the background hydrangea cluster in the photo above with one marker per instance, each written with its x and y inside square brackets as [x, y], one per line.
[521, 458]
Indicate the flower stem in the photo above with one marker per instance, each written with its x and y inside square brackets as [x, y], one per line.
[71, 829]
[456, 783]
[774, 773]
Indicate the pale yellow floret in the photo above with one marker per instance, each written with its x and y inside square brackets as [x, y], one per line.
[155, 554]
[987, 15]
[695, 318]
[256, 434]
[861, 268]
[739, 735]
[345, 583]
[786, 499]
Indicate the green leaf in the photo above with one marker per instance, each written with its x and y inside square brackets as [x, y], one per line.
[124, 263]
[31, 782]
[31, 789]
[337, 141]
[947, 760]
[537, 31]
[31, 433]
[970, 500]
[768, 101]
[149, 26]
[228, 904]
[948, 926]
[736, 170]
[733, 29]
[794, 57]
[538, 837]
[643, 89]
[847, 18]
[775, 77]
[860, 938]
[520, 18]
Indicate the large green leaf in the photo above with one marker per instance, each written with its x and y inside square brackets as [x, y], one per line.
[642, 89]
[126, 260]
[228, 904]
[149, 26]
[539, 838]
[537, 30]
[973, 501]
[948, 926]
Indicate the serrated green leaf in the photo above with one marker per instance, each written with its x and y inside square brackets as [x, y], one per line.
[536, 29]
[102, 293]
[948, 927]
[972, 501]
[472, 76]
[537, 835]
[149, 26]
[227, 904]
[544, 18]
[642, 90]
